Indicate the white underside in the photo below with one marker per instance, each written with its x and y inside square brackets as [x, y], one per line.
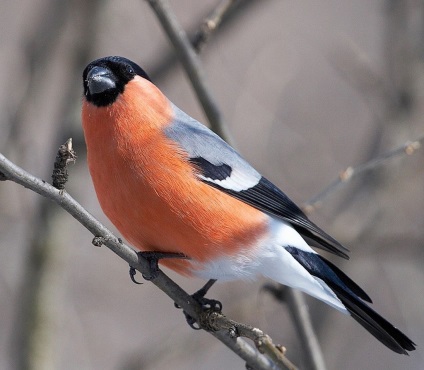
[270, 259]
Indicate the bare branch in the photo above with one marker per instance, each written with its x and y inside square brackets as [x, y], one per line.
[298, 308]
[408, 148]
[167, 57]
[191, 64]
[211, 23]
[263, 342]
[220, 327]
[354, 65]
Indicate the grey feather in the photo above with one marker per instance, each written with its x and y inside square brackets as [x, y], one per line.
[200, 142]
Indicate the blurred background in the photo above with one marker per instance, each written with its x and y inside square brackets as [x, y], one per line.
[307, 89]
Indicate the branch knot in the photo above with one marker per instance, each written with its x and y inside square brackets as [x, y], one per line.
[209, 320]
[65, 155]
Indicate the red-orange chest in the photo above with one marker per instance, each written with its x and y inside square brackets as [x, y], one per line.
[151, 194]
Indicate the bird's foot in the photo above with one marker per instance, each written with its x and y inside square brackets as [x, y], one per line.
[153, 259]
[205, 303]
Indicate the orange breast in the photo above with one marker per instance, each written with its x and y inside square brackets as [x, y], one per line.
[149, 191]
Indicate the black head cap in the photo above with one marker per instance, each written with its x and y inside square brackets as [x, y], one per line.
[105, 78]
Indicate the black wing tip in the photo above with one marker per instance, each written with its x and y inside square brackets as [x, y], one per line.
[321, 240]
[339, 253]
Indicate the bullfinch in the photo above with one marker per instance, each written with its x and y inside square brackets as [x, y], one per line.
[171, 185]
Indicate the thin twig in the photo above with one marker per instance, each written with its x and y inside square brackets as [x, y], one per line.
[191, 64]
[408, 148]
[211, 23]
[246, 352]
[263, 342]
[167, 58]
[299, 312]
[16, 174]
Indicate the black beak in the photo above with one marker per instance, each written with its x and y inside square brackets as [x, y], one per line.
[99, 80]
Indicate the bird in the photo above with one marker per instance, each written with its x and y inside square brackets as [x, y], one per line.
[171, 185]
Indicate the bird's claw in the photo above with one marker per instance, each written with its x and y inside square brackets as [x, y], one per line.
[209, 304]
[205, 303]
[153, 259]
[133, 272]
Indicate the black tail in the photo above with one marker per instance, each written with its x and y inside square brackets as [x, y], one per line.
[351, 295]
[385, 332]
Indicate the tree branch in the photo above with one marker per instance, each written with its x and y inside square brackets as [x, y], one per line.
[217, 325]
[295, 300]
[191, 64]
[217, 321]
[167, 58]
[408, 148]
[211, 23]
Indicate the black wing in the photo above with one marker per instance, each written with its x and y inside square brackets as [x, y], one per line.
[268, 198]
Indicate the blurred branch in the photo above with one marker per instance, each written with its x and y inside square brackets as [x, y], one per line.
[399, 53]
[38, 50]
[167, 58]
[355, 66]
[191, 64]
[299, 313]
[32, 341]
[218, 325]
[211, 23]
[408, 148]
